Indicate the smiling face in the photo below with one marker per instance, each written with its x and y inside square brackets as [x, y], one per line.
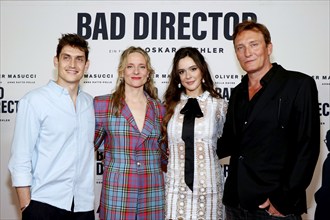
[252, 52]
[136, 72]
[71, 65]
[190, 76]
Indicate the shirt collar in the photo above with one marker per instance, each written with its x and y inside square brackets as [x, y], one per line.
[269, 75]
[59, 89]
[201, 97]
[265, 79]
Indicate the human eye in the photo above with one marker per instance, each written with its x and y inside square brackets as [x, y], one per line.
[81, 59]
[254, 44]
[193, 68]
[180, 72]
[66, 57]
[239, 48]
[143, 67]
[129, 66]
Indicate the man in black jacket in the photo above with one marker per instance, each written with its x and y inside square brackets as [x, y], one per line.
[272, 133]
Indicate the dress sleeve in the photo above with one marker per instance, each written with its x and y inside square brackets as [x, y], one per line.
[99, 129]
[163, 146]
[221, 116]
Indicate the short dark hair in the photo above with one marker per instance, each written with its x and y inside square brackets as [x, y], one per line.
[73, 40]
[254, 26]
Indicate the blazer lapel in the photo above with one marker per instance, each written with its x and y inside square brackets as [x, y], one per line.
[148, 121]
[127, 114]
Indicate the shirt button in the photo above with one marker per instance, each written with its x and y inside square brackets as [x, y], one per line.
[241, 158]
[245, 122]
[138, 164]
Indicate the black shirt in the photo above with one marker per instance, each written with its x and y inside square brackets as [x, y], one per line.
[246, 105]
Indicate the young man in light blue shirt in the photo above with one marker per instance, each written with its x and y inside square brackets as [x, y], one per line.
[52, 156]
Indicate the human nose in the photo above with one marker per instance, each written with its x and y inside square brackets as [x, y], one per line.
[247, 51]
[72, 63]
[186, 73]
[136, 70]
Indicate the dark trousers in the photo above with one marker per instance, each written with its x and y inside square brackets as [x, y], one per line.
[42, 211]
[261, 214]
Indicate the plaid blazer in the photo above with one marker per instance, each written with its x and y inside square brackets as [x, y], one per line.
[133, 183]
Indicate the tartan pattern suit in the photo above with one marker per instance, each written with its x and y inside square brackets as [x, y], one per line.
[133, 183]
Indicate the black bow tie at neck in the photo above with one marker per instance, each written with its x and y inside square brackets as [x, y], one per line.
[191, 111]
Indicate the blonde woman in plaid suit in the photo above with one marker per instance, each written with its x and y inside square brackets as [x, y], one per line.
[128, 121]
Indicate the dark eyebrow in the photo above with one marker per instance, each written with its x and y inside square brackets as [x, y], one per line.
[195, 65]
[66, 54]
[192, 66]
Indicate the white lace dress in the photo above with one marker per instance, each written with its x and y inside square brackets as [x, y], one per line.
[205, 200]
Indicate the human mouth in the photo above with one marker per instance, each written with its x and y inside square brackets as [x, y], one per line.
[136, 78]
[72, 71]
[190, 82]
[249, 61]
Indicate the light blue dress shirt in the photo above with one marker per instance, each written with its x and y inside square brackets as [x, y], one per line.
[52, 149]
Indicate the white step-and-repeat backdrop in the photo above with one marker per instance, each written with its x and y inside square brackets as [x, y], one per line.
[30, 32]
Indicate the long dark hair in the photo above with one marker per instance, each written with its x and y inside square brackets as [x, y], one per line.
[173, 92]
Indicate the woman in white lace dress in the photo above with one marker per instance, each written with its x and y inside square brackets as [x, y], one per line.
[193, 122]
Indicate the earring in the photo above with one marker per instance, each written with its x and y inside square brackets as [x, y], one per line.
[179, 85]
[203, 80]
